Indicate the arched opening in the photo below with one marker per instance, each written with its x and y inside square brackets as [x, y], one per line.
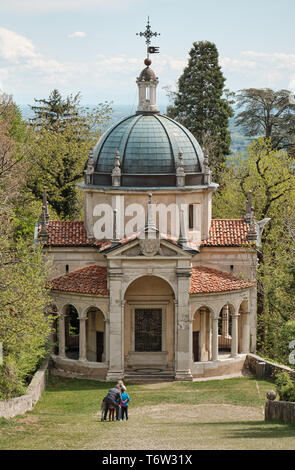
[95, 335]
[72, 331]
[225, 331]
[149, 324]
[201, 335]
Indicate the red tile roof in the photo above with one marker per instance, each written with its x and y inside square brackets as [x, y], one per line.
[68, 233]
[227, 232]
[93, 280]
[207, 280]
[88, 280]
[223, 232]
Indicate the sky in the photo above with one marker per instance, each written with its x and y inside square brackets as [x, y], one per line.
[90, 46]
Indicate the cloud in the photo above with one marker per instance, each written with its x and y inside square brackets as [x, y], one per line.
[44, 6]
[19, 56]
[77, 34]
[262, 69]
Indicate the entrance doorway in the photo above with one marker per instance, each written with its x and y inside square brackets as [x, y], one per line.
[148, 329]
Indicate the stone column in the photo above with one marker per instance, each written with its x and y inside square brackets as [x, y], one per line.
[209, 335]
[225, 322]
[214, 338]
[107, 340]
[245, 333]
[82, 339]
[235, 333]
[183, 352]
[203, 314]
[62, 337]
[116, 336]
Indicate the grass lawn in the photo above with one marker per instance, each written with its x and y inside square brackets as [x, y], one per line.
[218, 414]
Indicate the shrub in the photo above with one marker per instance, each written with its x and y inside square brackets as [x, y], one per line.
[285, 386]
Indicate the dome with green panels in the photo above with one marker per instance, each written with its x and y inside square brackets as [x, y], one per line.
[148, 145]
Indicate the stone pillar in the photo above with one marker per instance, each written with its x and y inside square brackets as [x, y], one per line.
[183, 352]
[245, 333]
[116, 336]
[203, 313]
[62, 337]
[82, 339]
[214, 338]
[107, 340]
[225, 322]
[209, 335]
[235, 333]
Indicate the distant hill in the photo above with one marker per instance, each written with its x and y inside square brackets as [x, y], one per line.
[239, 142]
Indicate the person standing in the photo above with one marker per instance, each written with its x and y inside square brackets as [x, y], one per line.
[125, 399]
[113, 398]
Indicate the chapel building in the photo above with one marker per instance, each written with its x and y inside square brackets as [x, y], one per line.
[149, 286]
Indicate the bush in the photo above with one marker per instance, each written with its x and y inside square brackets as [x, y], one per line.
[285, 386]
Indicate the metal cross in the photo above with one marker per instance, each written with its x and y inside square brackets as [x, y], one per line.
[148, 34]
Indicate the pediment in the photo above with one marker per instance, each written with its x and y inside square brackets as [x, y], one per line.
[148, 248]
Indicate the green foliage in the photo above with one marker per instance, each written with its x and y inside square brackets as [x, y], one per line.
[58, 147]
[285, 386]
[286, 334]
[202, 104]
[269, 174]
[24, 327]
[268, 113]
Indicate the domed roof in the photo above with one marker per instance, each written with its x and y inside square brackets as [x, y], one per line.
[148, 145]
[147, 74]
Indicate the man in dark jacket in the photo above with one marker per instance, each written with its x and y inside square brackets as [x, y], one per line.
[113, 398]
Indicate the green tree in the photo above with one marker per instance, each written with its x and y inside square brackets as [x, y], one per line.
[55, 110]
[24, 328]
[59, 145]
[269, 174]
[268, 113]
[203, 105]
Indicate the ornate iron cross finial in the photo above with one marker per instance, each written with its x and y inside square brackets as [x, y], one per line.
[148, 34]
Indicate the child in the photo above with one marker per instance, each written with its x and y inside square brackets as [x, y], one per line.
[125, 399]
[112, 413]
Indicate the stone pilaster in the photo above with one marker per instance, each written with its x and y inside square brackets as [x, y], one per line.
[116, 337]
[183, 352]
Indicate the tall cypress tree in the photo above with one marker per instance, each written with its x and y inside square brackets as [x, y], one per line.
[202, 104]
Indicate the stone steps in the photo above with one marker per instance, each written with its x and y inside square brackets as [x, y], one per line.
[149, 378]
[149, 375]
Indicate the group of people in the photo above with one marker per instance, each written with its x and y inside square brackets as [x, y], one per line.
[117, 400]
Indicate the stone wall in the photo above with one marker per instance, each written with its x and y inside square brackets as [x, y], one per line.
[73, 369]
[262, 368]
[24, 403]
[283, 411]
